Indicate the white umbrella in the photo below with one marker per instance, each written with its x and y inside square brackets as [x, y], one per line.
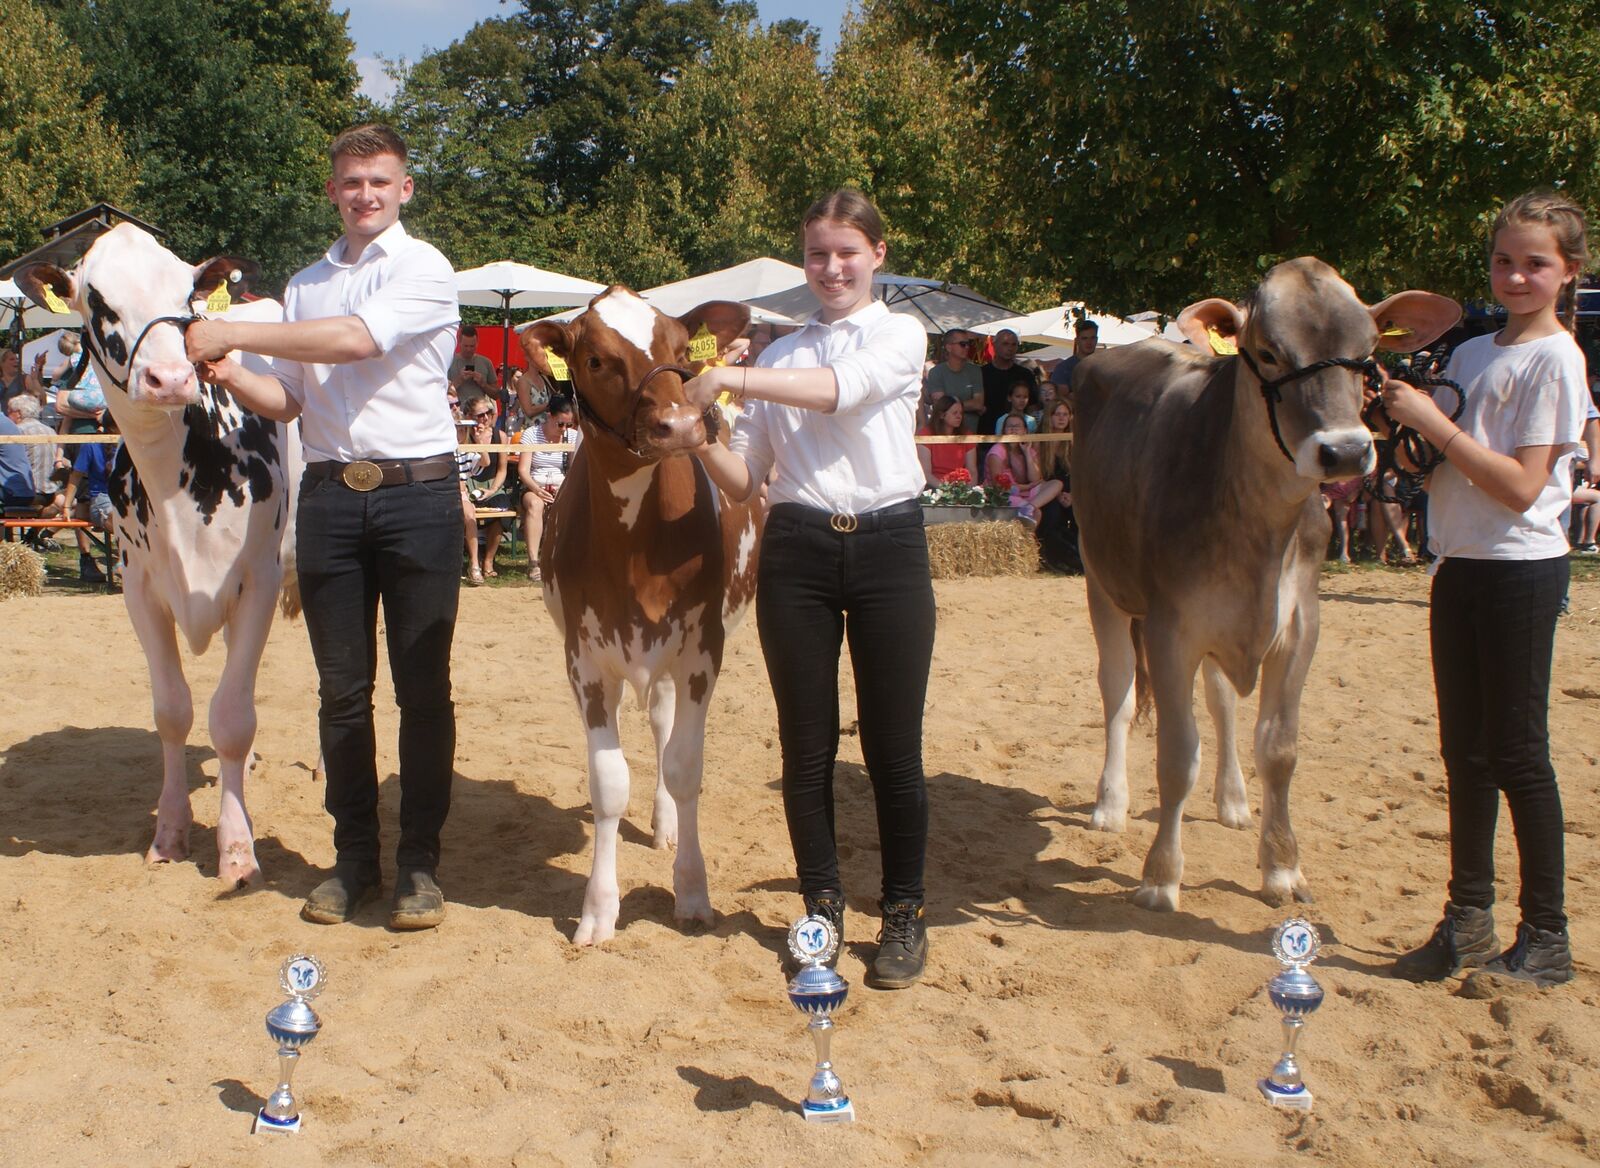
[507, 285]
[938, 306]
[13, 301]
[741, 283]
[1051, 325]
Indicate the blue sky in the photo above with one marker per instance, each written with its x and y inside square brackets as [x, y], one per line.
[409, 28]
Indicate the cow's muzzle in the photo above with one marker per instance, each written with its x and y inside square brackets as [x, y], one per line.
[1332, 455]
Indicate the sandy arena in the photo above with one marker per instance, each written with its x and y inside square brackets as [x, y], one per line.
[1059, 1023]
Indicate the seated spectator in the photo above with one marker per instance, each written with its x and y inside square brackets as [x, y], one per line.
[939, 459]
[1046, 400]
[1018, 464]
[959, 378]
[1058, 526]
[16, 471]
[11, 380]
[1586, 488]
[542, 472]
[43, 457]
[1019, 402]
[87, 497]
[486, 489]
[81, 405]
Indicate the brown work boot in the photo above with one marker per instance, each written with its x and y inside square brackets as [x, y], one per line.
[350, 885]
[418, 900]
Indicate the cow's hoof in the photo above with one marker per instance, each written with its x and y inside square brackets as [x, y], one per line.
[170, 845]
[1157, 897]
[237, 867]
[1234, 816]
[689, 910]
[1285, 886]
[1105, 819]
[596, 927]
[666, 838]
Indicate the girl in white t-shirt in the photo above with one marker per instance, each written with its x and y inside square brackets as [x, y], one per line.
[1495, 523]
[832, 410]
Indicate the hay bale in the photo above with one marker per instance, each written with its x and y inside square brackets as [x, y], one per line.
[21, 571]
[1002, 547]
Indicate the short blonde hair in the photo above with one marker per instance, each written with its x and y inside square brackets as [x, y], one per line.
[368, 141]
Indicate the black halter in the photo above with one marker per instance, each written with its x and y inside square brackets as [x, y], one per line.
[182, 322]
[628, 440]
[1404, 440]
[1369, 369]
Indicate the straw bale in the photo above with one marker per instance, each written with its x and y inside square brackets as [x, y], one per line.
[21, 571]
[1001, 547]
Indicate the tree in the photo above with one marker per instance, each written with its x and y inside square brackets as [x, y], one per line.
[1174, 150]
[229, 107]
[57, 156]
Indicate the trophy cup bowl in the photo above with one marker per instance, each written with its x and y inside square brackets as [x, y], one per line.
[818, 992]
[1296, 995]
[291, 1024]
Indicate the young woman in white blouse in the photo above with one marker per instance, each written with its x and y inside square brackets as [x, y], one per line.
[831, 411]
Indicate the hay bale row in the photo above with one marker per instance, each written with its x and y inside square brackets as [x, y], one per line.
[1002, 547]
[21, 571]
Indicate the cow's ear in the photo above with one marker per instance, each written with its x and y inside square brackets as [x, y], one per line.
[42, 283]
[1212, 325]
[218, 271]
[1407, 321]
[555, 335]
[724, 319]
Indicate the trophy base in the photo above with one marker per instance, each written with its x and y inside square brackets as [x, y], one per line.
[840, 1111]
[1296, 1097]
[265, 1123]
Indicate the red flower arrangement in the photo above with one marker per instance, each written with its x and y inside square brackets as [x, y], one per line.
[1003, 480]
[957, 489]
[959, 475]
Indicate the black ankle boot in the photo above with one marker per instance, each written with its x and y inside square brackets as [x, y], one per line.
[902, 947]
[1464, 938]
[1538, 957]
[828, 903]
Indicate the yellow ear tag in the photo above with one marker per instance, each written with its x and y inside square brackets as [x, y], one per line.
[1220, 345]
[1397, 331]
[558, 367]
[703, 346]
[54, 302]
[219, 301]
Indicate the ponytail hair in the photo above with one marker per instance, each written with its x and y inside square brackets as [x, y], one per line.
[1567, 223]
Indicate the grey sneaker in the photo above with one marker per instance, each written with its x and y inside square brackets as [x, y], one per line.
[1463, 939]
[1538, 957]
[902, 948]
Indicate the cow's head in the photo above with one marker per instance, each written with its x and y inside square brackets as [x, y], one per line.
[125, 282]
[1303, 314]
[629, 362]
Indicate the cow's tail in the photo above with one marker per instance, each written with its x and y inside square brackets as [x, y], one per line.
[1142, 701]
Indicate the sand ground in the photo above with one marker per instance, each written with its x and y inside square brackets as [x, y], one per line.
[1059, 1023]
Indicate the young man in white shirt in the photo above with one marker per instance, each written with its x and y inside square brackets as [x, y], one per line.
[362, 359]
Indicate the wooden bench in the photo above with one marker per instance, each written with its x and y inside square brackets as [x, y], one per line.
[13, 523]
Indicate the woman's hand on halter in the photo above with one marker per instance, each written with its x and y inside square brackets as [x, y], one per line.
[701, 391]
[1409, 406]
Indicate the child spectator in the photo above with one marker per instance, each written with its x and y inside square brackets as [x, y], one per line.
[1019, 462]
[941, 458]
[542, 472]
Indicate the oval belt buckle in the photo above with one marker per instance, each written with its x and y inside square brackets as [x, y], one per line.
[362, 476]
[842, 521]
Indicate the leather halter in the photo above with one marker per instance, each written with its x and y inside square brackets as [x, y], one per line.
[1270, 389]
[182, 323]
[629, 440]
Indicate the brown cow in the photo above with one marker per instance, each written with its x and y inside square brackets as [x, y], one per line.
[647, 568]
[1195, 483]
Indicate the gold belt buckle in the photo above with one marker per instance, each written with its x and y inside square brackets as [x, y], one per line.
[362, 476]
[841, 521]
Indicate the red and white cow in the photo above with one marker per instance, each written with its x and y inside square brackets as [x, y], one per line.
[647, 568]
[204, 496]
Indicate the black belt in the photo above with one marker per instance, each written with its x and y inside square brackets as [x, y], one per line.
[387, 472]
[907, 514]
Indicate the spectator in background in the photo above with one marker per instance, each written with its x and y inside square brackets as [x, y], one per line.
[1058, 526]
[958, 377]
[16, 472]
[1019, 400]
[1085, 338]
[81, 405]
[532, 391]
[998, 377]
[760, 337]
[542, 472]
[11, 379]
[486, 488]
[23, 410]
[1030, 490]
[941, 458]
[471, 375]
[87, 497]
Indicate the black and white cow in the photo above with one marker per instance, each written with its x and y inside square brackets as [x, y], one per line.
[204, 496]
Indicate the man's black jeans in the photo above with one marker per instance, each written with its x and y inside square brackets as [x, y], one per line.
[818, 585]
[1492, 628]
[401, 543]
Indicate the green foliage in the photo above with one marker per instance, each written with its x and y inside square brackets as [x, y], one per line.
[229, 106]
[1173, 150]
[57, 156]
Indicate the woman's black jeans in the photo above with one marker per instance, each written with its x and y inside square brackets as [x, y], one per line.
[1493, 626]
[401, 543]
[818, 585]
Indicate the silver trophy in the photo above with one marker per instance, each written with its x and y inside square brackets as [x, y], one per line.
[1297, 994]
[291, 1025]
[818, 992]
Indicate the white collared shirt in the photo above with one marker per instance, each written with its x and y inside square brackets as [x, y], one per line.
[863, 455]
[392, 405]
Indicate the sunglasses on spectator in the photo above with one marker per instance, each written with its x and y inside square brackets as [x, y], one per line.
[483, 417]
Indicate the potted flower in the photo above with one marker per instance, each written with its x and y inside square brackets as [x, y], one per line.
[957, 499]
